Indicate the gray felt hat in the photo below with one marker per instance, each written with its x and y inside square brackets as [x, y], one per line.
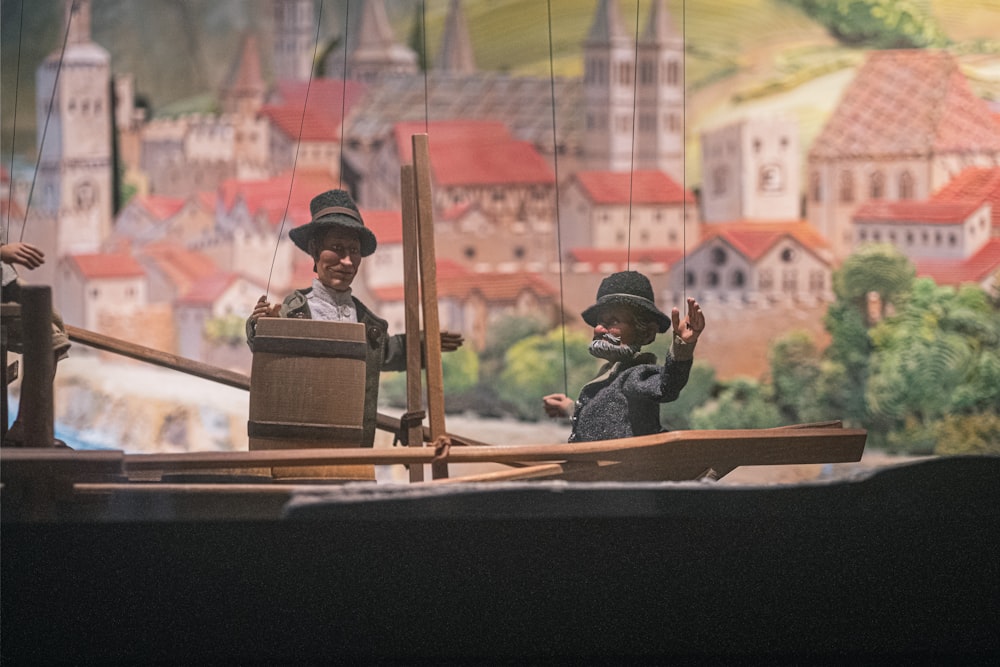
[631, 288]
[334, 208]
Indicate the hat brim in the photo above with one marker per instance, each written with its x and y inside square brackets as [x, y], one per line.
[301, 235]
[591, 314]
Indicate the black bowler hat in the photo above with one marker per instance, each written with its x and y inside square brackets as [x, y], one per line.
[631, 288]
[333, 208]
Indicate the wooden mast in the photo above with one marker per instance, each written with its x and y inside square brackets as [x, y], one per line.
[411, 294]
[428, 293]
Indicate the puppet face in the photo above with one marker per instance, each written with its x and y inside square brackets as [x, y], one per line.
[617, 323]
[338, 258]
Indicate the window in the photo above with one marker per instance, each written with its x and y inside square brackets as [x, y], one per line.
[816, 281]
[713, 279]
[738, 279]
[788, 255]
[789, 280]
[719, 256]
[816, 187]
[846, 187]
[519, 252]
[906, 185]
[720, 178]
[470, 252]
[766, 279]
[673, 73]
[689, 279]
[876, 185]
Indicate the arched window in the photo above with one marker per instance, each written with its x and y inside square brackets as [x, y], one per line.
[689, 279]
[846, 187]
[816, 188]
[738, 279]
[876, 185]
[906, 185]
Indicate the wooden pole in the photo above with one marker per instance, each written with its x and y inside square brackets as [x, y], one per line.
[428, 290]
[37, 401]
[411, 296]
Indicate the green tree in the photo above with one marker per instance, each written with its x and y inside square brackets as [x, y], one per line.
[544, 364]
[795, 371]
[977, 433]
[225, 330]
[678, 415]
[880, 24]
[743, 403]
[938, 357]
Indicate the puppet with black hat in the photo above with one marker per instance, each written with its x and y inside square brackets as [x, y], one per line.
[624, 399]
[337, 239]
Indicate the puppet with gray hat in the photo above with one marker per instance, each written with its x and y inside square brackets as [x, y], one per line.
[624, 399]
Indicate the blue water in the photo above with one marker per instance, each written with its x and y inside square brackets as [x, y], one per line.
[75, 439]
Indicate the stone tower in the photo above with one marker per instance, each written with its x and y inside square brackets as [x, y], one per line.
[659, 142]
[75, 168]
[294, 39]
[608, 77]
[376, 52]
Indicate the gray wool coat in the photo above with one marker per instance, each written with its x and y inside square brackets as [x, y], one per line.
[624, 399]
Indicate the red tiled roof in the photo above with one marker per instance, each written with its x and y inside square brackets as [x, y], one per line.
[386, 225]
[474, 152]
[322, 118]
[623, 256]
[272, 195]
[930, 212]
[159, 206]
[907, 102]
[753, 238]
[209, 289]
[495, 286]
[973, 269]
[181, 266]
[105, 265]
[974, 184]
[645, 186]
[389, 294]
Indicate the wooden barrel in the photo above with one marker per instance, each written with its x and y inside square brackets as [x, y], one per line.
[307, 390]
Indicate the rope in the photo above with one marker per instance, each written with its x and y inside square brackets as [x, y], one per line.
[423, 40]
[684, 199]
[17, 79]
[298, 143]
[343, 90]
[48, 115]
[631, 167]
[555, 160]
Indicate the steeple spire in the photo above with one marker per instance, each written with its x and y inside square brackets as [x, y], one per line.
[78, 18]
[456, 56]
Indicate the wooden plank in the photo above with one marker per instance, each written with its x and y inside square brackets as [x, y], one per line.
[411, 299]
[663, 456]
[428, 289]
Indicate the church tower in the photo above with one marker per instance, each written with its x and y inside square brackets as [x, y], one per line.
[608, 82]
[376, 52]
[659, 142]
[75, 167]
[294, 39]
[456, 55]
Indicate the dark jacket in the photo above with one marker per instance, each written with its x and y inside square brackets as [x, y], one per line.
[385, 352]
[624, 399]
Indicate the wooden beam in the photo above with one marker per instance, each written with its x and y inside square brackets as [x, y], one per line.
[158, 358]
[411, 300]
[428, 289]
